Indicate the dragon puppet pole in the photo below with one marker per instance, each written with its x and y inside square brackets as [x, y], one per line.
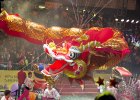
[34, 60]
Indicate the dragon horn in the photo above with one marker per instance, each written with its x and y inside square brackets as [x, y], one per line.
[89, 45]
[84, 47]
[3, 15]
[81, 48]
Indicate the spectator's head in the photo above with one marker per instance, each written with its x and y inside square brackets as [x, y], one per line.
[29, 74]
[49, 86]
[7, 93]
[105, 96]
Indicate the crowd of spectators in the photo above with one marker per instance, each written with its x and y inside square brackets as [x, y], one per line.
[16, 53]
[132, 61]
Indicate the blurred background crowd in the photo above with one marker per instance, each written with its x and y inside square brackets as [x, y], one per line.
[16, 53]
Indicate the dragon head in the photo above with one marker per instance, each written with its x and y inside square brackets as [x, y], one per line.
[66, 60]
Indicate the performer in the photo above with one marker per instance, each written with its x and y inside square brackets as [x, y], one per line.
[101, 86]
[51, 93]
[28, 87]
[112, 87]
[7, 95]
[21, 78]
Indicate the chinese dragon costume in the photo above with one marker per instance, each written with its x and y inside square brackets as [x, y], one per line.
[76, 51]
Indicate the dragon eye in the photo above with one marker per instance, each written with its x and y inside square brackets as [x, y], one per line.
[74, 52]
[71, 54]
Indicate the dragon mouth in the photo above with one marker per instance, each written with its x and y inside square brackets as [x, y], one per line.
[55, 68]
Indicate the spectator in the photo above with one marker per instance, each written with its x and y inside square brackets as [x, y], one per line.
[51, 93]
[7, 95]
[101, 86]
[112, 86]
[9, 65]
